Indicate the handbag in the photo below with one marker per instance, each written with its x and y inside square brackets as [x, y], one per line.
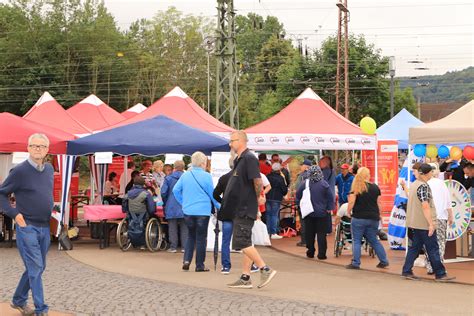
[64, 240]
[213, 207]
[306, 206]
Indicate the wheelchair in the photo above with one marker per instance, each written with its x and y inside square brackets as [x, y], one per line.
[155, 236]
[343, 235]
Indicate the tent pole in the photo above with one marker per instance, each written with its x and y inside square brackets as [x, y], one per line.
[125, 170]
[376, 162]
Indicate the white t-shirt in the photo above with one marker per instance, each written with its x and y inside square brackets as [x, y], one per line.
[264, 180]
[441, 197]
[342, 211]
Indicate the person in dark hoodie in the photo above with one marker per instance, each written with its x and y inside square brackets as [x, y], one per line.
[138, 204]
[322, 200]
[326, 165]
[274, 198]
[173, 210]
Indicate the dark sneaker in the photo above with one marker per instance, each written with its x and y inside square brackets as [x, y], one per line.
[352, 267]
[382, 265]
[202, 269]
[254, 269]
[445, 278]
[300, 244]
[309, 254]
[266, 276]
[240, 284]
[186, 266]
[410, 276]
[225, 270]
[24, 310]
[322, 257]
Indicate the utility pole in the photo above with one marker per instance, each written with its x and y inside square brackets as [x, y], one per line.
[227, 109]
[208, 44]
[342, 52]
[391, 69]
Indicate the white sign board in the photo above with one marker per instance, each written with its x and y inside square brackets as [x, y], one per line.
[103, 157]
[219, 165]
[172, 158]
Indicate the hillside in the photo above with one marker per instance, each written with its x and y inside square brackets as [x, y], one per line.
[456, 86]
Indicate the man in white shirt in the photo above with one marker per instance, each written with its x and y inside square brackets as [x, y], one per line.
[444, 213]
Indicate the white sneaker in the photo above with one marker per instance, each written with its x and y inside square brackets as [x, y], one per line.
[275, 236]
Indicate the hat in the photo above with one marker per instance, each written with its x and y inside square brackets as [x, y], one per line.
[307, 162]
[276, 166]
[345, 166]
[425, 169]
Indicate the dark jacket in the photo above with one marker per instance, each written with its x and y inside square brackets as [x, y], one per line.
[218, 194]
[279, 188]
[149, 204]
[172, 208]
[322, 197]
[458, 172]
[330, 177]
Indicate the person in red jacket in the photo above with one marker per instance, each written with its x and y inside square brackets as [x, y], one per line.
[265, 166]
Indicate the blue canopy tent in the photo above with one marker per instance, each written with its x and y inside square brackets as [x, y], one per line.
[152, 137]
[397, 128]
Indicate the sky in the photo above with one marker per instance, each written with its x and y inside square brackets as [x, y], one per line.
[440, 33]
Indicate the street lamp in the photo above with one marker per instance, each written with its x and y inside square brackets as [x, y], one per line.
[209, 44]
[391, 70]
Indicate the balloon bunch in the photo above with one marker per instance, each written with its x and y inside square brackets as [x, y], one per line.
[443, 152]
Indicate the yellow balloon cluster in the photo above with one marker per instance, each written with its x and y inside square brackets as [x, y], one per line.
[368, 125]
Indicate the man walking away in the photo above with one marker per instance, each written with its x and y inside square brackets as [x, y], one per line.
[32, 183]
[241, 196]
[421, 219]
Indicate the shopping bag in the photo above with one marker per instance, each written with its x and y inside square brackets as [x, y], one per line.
[260, 234]
[306, 205]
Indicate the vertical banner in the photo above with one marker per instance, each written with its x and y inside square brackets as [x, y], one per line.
[387, 165]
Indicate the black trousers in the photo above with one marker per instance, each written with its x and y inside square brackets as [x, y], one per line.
[316, 226]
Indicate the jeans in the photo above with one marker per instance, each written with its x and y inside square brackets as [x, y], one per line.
[173, 225]
[316, 226]
[273, 216]
[33, 244]
[197, 238]
[368, 228]
[420, 239]
[227, 227]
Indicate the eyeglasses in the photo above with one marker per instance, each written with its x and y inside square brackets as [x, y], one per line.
[38, 147]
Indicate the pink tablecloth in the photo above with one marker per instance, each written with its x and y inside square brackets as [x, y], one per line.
[106, 212]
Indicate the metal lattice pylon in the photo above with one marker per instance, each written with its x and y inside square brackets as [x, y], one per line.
[227, 108]
[342, 70]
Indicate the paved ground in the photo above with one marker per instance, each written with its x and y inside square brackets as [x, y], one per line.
[75, 287]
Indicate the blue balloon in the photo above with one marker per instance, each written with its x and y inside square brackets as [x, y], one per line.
[420, 150]
[443, 152]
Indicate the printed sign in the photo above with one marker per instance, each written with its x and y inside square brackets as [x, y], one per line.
[219, 165]
[103, 158]
[461, 205]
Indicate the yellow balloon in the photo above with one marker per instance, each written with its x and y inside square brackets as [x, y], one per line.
[431, 151]
[368, 125]
[455, 153]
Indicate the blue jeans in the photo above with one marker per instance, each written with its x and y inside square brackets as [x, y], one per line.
[33, 244]
[272, 214]
[419, 238]
[227, 227]
[197, 238]
[368, 228]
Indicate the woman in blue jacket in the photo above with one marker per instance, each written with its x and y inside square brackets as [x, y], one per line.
[322, 200]
[194, 192]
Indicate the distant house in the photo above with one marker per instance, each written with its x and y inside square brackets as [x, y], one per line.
[434, 111]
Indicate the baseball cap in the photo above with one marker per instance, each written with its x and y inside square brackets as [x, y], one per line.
[307, 162]
[345, 166]
[425, 168]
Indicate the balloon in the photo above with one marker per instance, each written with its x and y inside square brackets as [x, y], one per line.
[431, 151]
[468, 152]
[419, 150]
[368, 125]
[455, 153]
[443, 152]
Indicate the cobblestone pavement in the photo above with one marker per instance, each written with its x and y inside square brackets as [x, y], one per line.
[75, 287]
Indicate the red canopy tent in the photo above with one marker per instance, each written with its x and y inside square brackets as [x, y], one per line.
[178, 106]
[93, 113]
[134, 110]
[308, 123]
[15, 132]
[49, 112]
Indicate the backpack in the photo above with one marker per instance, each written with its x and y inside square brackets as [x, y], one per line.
[136, 229]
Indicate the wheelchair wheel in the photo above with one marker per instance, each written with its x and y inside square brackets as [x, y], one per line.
[338, 242]
[122, 235]
[154, 235]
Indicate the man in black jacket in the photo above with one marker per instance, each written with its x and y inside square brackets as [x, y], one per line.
[274, 198]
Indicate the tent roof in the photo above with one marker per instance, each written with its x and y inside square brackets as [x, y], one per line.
[49, 112]
[151, 137]
[177, 105]
[397, 128]
[93, 113]
[134, 110]
[307, 114]
[16, 130]
[456, 128]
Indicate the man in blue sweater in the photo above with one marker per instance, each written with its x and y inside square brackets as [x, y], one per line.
[32, 183]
